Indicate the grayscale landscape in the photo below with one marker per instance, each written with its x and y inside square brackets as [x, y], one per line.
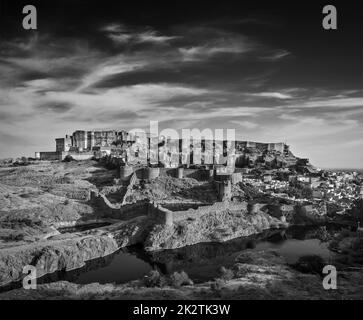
[181, 152]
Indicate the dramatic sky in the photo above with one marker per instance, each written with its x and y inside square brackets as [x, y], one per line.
[267, 69]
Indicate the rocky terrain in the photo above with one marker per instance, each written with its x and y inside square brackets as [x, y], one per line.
[37, 197]
[39, 200]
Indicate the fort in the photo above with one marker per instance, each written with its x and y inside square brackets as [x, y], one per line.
[222, 163]
[219, 174]
[138, 148]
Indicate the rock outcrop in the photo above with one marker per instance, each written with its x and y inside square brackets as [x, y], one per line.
[67, 252]
[215, 223]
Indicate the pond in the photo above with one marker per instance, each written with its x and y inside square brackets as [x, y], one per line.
[201, 262]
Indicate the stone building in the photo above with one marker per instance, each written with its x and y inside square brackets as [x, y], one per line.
[63, 144]
[141, 148]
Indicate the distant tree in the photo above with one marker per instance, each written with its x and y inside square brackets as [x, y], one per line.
[357, 210]
[68, 158]
[310, 264]
[300, 192]
[333, 208]
[307, 193]
[282, 176]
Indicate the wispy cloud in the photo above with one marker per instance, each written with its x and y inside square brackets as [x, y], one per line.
[121, 34]
[220, 47]
[276, 55]
[275, 95]
[333, 103]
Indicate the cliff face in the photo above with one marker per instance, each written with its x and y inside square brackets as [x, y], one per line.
[67, 252]
[53, 256]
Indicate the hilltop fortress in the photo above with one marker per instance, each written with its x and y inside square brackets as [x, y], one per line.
[139, 148]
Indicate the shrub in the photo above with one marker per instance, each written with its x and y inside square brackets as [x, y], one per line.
[345, 233]
[178, 279]
[217, 286]
[357, 210]
[323, 234]
[226, 274]
[357, 245]
[244, 257]
[68, 158]
[154, 279]
[310, 264]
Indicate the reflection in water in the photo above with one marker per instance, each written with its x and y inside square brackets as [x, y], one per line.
[201, 262]
[124, 266]
[251, 244]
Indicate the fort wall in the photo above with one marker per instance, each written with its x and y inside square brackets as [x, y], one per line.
[123, 212]
[50, 156]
